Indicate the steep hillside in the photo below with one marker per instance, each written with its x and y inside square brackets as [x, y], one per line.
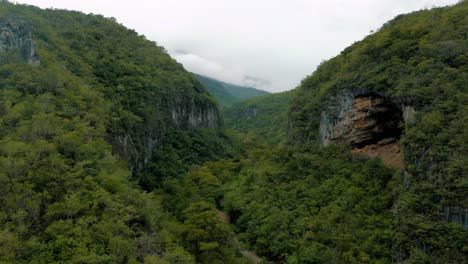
[227, 94]
[88, 110]
[375, 170]
[266, 116]
[406, 85]
[149, 94]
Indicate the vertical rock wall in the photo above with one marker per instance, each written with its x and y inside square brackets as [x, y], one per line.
[16, 39]
[195, 115]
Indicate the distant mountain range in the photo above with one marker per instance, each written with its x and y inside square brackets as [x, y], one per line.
[227, 94]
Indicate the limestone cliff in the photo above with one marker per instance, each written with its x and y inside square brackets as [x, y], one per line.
[16, 39]
[139, 144]
[195, 115]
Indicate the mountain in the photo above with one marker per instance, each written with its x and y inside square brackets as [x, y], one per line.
[374, 166]
[227, 94]
[91, 113]
[400, 94]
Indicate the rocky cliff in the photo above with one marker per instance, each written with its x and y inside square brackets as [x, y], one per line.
[195, 115]
[16, 39]
[360, 120]
[369, 122]
[138, 145]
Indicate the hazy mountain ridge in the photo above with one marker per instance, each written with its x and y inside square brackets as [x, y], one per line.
[227, 94]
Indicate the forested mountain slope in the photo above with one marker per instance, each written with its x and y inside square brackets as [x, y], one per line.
[409, 80]
[88, 110]
[227, 94]
[399, 95]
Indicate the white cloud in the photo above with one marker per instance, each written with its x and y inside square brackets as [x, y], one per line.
[196, 63]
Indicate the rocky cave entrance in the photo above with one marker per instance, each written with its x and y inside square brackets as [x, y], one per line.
[375, 118]
[377, 125]
[370, 123]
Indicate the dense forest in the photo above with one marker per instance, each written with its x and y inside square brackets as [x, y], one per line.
[91, 115]
[265, 116]
[111, 152]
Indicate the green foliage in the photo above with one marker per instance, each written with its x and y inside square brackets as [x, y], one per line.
[417, 60]
[324, 207]
[101, 109]
[227, 94]
[180, 150]
[148, 93]
[266, 116]
[65, 197]
[205, 233]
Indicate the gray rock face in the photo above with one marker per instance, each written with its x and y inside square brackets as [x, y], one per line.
[457, 214]
[16, 39]
[138, 147]
[360, 119]
[195, 116]
[408, 113]
[333, 116]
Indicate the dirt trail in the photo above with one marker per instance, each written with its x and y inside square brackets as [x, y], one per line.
[251, 255]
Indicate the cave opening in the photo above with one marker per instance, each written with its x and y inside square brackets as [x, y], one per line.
[377, 120]
[369, 122]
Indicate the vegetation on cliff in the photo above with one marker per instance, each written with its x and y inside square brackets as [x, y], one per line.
[302, 203]
[80, 132]
[417, 60]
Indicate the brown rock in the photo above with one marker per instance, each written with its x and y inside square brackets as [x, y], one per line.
[370, 123]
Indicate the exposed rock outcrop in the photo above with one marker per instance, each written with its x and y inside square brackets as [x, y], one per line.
[457, 214]
[369, 122]
[16, 39]
[195, 116]
[408, 113]
[137, 146]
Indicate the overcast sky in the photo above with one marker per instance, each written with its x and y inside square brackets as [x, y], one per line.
[270, 44]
